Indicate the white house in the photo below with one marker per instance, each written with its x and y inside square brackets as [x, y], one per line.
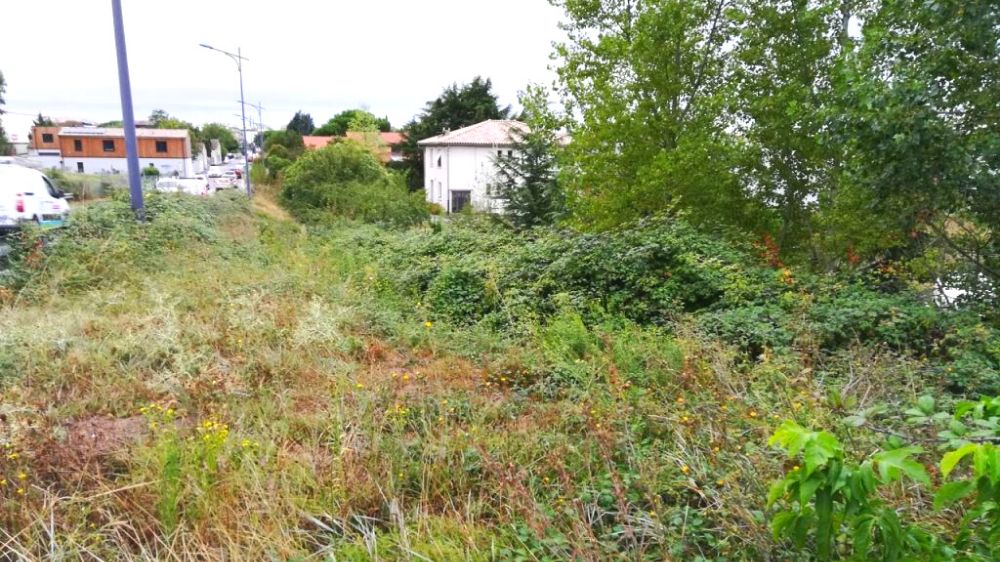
[460, 165]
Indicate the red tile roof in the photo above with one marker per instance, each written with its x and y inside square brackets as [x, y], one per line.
[312, 141]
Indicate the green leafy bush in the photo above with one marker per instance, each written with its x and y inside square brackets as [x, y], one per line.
[346, 179]
[459, 295]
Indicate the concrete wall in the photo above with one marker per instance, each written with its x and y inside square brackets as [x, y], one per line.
[462, 168]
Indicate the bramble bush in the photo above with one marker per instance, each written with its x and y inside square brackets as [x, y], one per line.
[658, 272]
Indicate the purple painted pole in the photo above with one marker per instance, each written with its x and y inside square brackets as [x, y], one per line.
[128, 115]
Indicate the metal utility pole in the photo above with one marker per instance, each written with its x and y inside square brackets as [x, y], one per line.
[128, 115]
[239, 58]
[260, 118]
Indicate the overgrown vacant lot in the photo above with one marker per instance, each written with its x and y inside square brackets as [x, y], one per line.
[222, 383]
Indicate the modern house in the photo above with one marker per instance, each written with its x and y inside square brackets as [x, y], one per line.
[460, 165]
[96, 150]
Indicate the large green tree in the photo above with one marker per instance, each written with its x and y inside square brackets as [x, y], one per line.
[339, 124]
[920, 126]
[160, 119]
[649, 82]
[301, 123]
[219, 131]
[456, 107]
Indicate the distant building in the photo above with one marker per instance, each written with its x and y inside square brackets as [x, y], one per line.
[314, 142]
[95, 150]
[387, 146]
[460, 166]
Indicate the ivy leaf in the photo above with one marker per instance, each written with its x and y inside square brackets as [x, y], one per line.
[952, 492]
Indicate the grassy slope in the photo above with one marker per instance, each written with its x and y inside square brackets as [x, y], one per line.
[253, 398]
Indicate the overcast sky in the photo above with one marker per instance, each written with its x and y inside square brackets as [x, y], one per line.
[321, 56]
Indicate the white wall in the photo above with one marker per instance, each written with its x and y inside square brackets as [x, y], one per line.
[463, 168]
[167, 166]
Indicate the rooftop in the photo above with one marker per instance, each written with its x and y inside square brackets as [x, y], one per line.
[494, 132]
[120, 133]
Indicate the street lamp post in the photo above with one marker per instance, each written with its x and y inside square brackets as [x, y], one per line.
[128, 115]
[239, 58]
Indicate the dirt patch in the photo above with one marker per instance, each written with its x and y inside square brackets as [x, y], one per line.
[99, 435]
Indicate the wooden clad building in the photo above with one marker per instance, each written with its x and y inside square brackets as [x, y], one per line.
[102, 150]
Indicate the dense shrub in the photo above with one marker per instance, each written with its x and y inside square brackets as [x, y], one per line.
[345, 179]
[660, 271]
[103, 243]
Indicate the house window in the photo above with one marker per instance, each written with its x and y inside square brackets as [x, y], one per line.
[78, 145]
[79, 167]
[47, 137]
[460, 200]
[109, 146]
[499, 154]
[510, 154]
[439, 161]
[161, 146]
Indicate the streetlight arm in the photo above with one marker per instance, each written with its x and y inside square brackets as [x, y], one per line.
[236, 58]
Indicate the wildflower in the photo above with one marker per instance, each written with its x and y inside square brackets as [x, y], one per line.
[503, 379]
[22, 476]
[359, 385]
[720, 482]
[752, 413]
[794, 468]
[680, 399]
[715, 449]
[13, 456]
[652, 514]
[428, 324]
[3, 481]
[685, 469]
[406, 377]
[545, 479]
[20, 491]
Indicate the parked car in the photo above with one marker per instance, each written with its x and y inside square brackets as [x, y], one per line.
[197, 185]
[27, 195]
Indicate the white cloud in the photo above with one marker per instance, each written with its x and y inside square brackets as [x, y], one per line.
[319, 56]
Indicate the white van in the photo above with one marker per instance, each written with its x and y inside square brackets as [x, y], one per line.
[26, 195]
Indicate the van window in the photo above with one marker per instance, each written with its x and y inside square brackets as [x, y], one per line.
[53, 190]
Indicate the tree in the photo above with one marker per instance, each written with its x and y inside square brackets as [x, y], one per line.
[456, 107]
[784, 67]
[156, 117]
[42, 121]
[301, 123]
[160, 119]
[4, 145]
[339, 124]
[219, 131]
[649, 83]
[919, 131]
[526, 182]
